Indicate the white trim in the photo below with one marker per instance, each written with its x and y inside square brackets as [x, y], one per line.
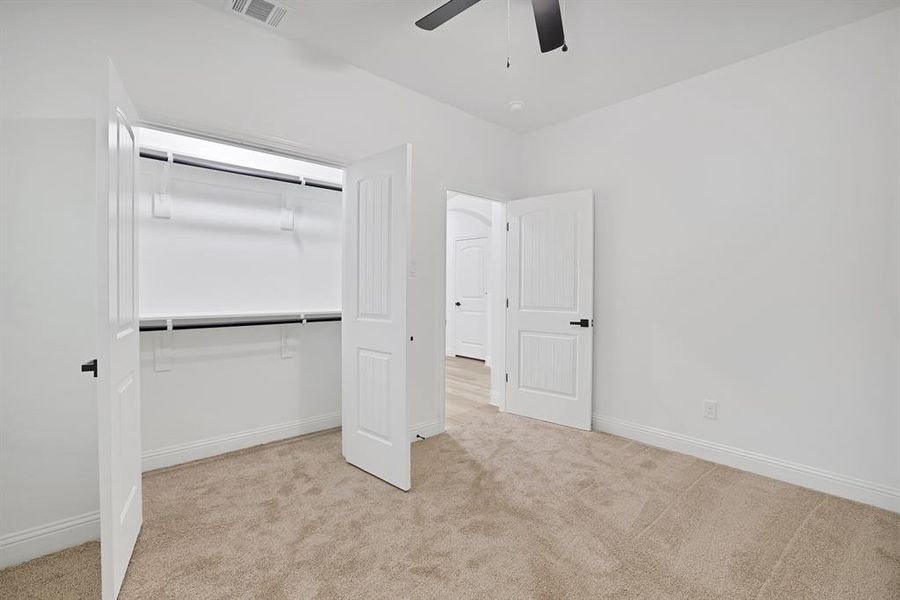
[496, 398]
[182, 453]
[867, 492]
[426, 430]
[22, 546]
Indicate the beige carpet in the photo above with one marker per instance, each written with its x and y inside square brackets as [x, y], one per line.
[501, 507]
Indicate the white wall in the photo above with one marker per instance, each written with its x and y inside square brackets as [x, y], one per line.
[48, 196]
[747, 252]
[216, 73]
[234, 388]
[48, 415]
[223, 250]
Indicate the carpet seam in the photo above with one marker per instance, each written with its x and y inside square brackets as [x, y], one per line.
[675, 501]
[771, 577]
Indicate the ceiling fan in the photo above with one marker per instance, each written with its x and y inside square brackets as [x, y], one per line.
[547, 17]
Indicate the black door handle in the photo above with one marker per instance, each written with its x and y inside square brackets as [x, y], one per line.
[581, 323]
[90, 367]
[458, 304]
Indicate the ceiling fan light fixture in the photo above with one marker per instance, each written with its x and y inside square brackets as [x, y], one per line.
[516, 106]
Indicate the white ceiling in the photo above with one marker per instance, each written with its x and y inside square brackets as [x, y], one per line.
[618, 49]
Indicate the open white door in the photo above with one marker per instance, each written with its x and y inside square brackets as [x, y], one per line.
[471, 296]
[550, 317]
[374, 415]
[118, 400]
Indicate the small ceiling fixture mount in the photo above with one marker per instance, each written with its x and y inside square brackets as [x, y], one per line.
[515, 106]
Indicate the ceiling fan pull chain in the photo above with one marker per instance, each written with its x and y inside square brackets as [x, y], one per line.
[565, 13]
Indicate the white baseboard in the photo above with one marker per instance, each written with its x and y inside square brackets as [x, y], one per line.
[182, 453]
[495, 398]
[22, 546]
[821, 480]
[426, 430]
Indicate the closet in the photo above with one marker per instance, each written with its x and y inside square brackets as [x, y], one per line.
[239, 297]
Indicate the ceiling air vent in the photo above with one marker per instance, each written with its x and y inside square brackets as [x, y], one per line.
[260, 11]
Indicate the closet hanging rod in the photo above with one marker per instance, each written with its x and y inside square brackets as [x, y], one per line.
[180, 159]
[161, 325]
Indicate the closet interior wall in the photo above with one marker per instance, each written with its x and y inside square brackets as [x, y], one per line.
[216, 244]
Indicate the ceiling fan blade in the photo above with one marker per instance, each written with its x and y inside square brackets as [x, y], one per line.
[549, 23]
[444, 13]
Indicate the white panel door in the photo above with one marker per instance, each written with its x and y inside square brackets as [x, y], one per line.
[550, 316]
[118, 401]
[470, 304]
[374, 411]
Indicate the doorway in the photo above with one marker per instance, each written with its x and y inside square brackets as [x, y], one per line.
[474, 303]
[519, 306]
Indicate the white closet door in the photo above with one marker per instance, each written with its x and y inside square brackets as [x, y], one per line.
[549, 320]
[471, 299]
[118, 402]
[374, 415]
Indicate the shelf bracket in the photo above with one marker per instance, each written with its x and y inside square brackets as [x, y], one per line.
[288, 343]
[287, 213]
[162, 201]
[162, 349]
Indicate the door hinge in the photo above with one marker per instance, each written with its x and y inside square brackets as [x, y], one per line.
[507, 303]
[90, 367]
[507, 225]
[507, 378]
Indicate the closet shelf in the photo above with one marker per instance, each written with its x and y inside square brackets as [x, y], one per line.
[222, 321]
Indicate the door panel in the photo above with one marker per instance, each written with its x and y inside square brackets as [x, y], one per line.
[118, 402]
[471, 313]
[549, 363]
[375, 422]
[550, 283]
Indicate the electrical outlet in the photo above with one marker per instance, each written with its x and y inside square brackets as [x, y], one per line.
[711, 409]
